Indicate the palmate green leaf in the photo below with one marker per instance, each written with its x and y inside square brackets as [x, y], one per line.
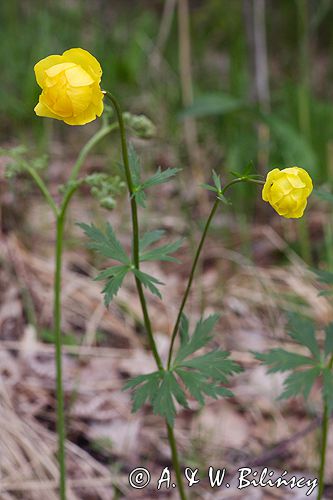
[280, 360]
[328, 348]
[328, 388]
[105, 243]
[203, 375]
[201, 336]
[303, 331]
[148, 281]
[162, 253]
[300, 383]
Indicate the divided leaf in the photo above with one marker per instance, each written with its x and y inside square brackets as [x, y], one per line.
[280, 360]
[203, 375]
[305, 370]
[160, 177]
[106, 244]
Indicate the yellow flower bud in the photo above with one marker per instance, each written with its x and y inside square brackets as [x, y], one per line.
[287, 191]
[70, 87]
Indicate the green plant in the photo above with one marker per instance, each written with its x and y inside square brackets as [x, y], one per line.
[316, 367]
[187, 371]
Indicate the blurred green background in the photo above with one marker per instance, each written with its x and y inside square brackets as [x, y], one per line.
[259, 87]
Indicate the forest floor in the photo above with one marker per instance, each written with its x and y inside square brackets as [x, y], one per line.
[105, 441]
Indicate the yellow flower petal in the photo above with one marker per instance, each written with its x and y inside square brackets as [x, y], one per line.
[85, 60]
[43, 65]
[271, 176]
[78, 77]
[42, 110]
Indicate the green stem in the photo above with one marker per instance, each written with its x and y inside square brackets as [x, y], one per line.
[190, 280]
[135, 228]
[196, 259]
[324, 435]
[136, 261]
[42, 186]
[60, 215]
[58, 345]
[175, 462]
[102, 132]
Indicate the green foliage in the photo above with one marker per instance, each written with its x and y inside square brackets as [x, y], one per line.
[148, 282]
[160, 253]
[305, 371]
[141, 125]
[280, 360]
[106, 243]
[325, 277]
[323, 195]
[201, 376]
[105, 188]
[295, 149]
[20, 161]
[214, 104]
[160, 177]
[115, 276]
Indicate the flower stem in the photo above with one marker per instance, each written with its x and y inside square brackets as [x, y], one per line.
[190, 280]
[102, 132]
[60, 216]
[40, 183]
[136, 261]
[135, 227]
[175, 462]
[324, 435]
[58, 345]
[196, 259]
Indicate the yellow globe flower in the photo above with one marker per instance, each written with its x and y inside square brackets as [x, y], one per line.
[70, 84]
[287, 191]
